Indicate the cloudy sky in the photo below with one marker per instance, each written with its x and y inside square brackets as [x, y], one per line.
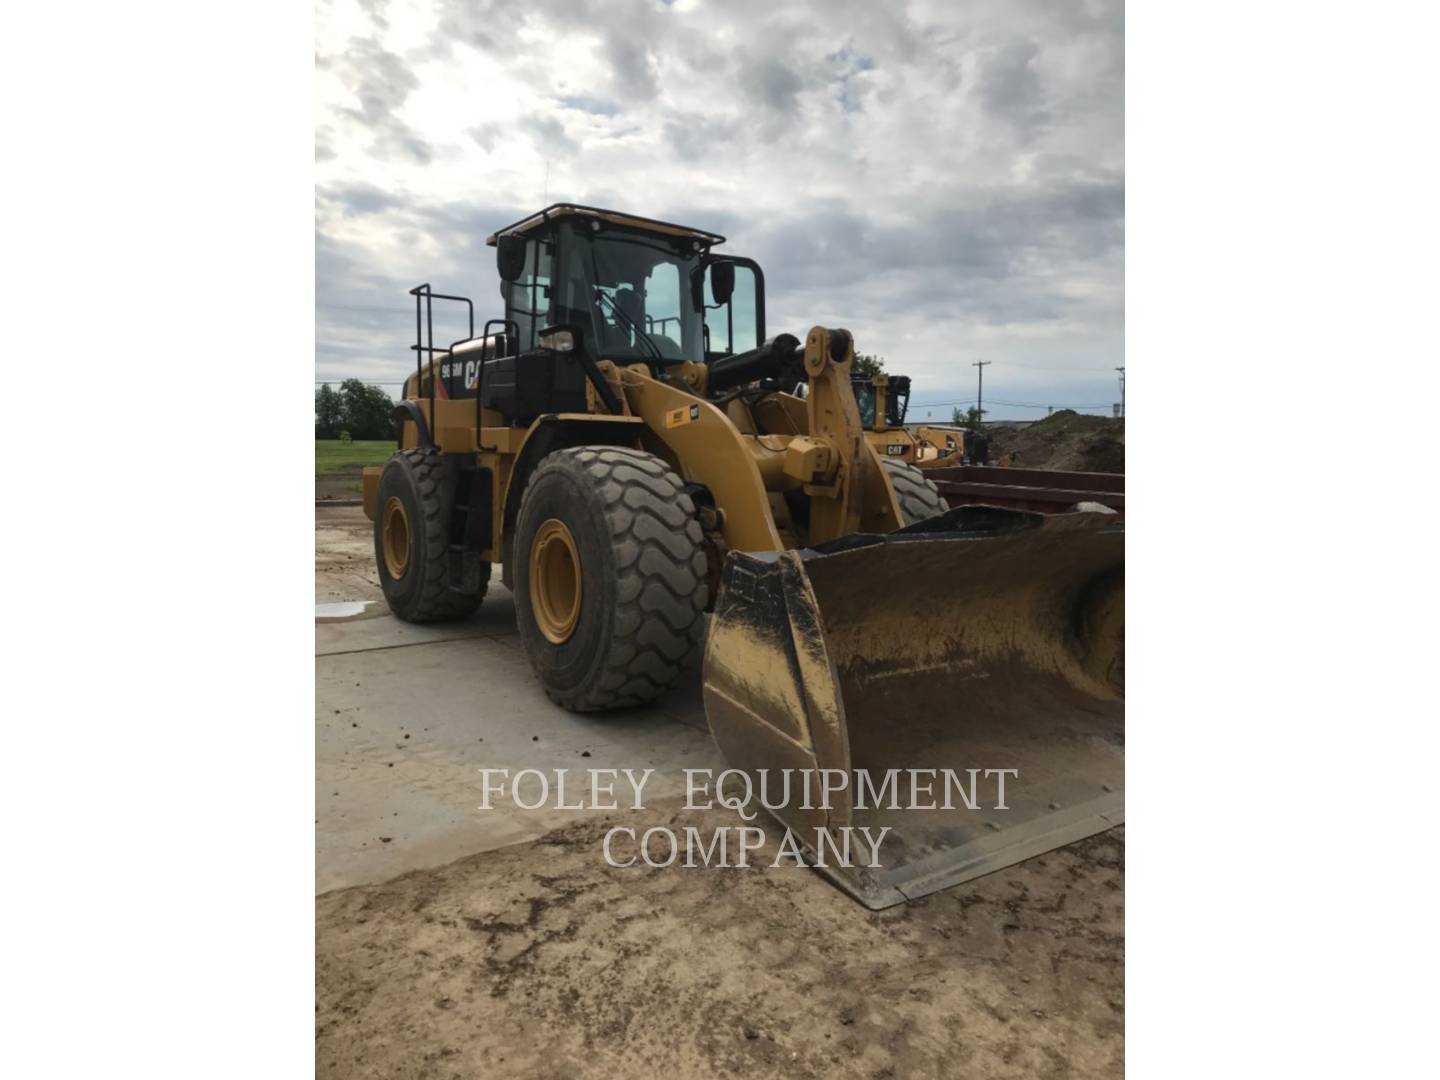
[945, 178]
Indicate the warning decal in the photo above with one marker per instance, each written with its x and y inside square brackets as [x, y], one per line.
[676, 417]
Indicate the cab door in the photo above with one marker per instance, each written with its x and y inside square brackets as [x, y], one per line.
[738, 324]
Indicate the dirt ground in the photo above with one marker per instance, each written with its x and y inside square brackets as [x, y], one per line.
[538, 960]
[1065, 440]
[344, 555]
[340, 486]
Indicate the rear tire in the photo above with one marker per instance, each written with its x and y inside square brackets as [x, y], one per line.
[918, 496]
[423, 580]
[623, 515]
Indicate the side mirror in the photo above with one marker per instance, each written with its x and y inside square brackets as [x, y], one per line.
[510, 257]
[722, 281]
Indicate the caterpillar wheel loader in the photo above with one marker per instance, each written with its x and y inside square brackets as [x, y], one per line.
[941, 447]
[881, 400]
[625, 443]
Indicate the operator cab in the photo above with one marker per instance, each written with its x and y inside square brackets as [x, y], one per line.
[897, 400]
[580, 285]
[633, 289]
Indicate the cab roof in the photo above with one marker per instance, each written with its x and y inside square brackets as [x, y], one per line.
[563, 210]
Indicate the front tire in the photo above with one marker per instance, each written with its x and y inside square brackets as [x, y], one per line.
[423, 580]
[918, 496]
[610, 582]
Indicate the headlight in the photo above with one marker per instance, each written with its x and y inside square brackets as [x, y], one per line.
[561, 339]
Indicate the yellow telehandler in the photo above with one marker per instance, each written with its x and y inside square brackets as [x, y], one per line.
[624, 441]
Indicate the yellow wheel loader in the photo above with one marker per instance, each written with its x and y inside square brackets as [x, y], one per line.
[626, 443]
[941, 447]
[881, 400]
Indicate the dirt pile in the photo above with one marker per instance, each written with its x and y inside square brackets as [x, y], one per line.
[1064, 440]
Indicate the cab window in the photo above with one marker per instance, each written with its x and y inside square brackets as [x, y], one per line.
[662, 308]
[527, 299]
[734, 327]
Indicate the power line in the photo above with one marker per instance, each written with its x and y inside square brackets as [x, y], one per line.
[1015, 404]
[1050, 367]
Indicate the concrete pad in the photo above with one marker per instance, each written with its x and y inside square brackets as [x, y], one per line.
[406, 716]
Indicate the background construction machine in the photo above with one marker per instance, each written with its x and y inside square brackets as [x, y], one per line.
[943, 446]
[881, 400]
[624, 443]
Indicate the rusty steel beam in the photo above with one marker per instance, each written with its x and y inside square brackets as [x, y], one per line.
[1042, 478]
[1043, 490]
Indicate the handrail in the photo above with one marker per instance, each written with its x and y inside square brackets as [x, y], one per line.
[425, 340]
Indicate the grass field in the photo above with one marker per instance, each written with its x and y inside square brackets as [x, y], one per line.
[333, 456]
[338, 465]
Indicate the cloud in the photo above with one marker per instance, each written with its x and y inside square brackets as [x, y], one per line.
[632, 69]
[548, 134]
[770, 83]
[694, 136]
[379, 83]
[376, 10]
[354, 199]
[946, 180]
[486, 134]
[586, 103]
[1010, 83]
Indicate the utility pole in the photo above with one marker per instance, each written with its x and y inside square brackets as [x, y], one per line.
[979, 366]
[1121, 370]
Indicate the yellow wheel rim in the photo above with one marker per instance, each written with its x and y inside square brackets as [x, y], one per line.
[555, 581]
[395, 537]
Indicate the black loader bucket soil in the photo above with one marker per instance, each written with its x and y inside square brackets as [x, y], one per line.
[980, 640]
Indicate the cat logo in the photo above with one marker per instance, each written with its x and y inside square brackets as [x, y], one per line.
[676, 417]
[895, 449]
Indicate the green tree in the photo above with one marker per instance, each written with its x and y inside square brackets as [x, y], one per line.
[329, 413]
[971, 418]
[867, 366]
[366, 410]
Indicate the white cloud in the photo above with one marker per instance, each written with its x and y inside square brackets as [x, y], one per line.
[944, 179]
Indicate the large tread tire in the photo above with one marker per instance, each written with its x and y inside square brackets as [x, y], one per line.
[431, 588]
[918, 496]
[643, 576]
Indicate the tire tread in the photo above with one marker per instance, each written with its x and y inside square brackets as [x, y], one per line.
[918, 496]
[438, 599]
[660, 595]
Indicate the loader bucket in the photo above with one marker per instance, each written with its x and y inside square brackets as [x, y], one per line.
[980, 639]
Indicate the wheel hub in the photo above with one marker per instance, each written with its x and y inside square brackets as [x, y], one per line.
[395, 537]
[555, 581]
